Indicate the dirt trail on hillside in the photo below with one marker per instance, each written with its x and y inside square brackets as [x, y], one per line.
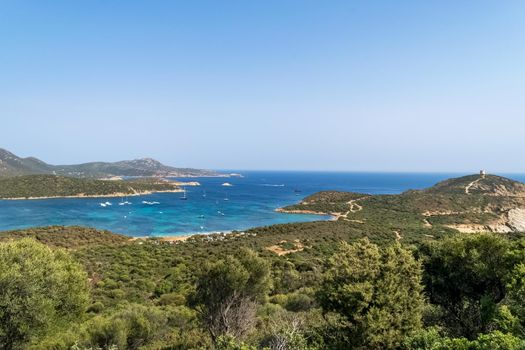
[354, 208]
[469, 186]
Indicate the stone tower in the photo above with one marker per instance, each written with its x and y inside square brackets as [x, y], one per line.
[482, 173]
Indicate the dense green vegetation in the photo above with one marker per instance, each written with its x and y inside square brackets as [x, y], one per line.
[378, 278]
[460, 292]
[436, 209]
[60, 186]
[40, 290]
[70, 237]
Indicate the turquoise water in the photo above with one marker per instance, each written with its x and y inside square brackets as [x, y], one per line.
[251, 202]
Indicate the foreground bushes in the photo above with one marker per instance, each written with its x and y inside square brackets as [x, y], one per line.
[464, 292]
[40, 291]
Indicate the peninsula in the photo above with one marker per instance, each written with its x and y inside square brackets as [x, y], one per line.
[54, 186]
[474, 203]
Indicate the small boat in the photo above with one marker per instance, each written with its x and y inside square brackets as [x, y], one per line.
[184, 197]
[122, 202]
[103, 205]
[150, 203]
[204, 194]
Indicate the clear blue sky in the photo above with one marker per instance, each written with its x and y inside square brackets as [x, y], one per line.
[320, 85]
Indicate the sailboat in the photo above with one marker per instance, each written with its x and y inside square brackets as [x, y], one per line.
[122, 202]
[204, 194]
[184, 197]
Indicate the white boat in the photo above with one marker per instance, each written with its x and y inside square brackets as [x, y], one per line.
[122, 202]
[150, 203]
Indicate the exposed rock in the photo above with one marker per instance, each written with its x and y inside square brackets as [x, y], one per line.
[516, 219]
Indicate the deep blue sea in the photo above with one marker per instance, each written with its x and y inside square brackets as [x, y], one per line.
[211, 207]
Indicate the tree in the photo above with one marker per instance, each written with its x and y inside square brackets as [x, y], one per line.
[130, 328]
[39, 288]
[466, 276]
[376, 292]
[227, 293]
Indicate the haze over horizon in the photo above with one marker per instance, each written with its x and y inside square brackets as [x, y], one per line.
[292, 85]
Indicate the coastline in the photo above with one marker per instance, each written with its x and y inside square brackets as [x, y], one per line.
[185, 237]
[333, 216]
[81, 195]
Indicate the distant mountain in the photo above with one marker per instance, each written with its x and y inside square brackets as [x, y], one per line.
[12, 165]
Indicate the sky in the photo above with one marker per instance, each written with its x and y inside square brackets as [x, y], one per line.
[368, 85]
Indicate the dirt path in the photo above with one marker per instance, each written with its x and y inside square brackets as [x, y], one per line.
[398, 235]
[354, 208]
[468, 187]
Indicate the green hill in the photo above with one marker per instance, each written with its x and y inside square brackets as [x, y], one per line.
[475, 184]
[35, 186]
[468, 204]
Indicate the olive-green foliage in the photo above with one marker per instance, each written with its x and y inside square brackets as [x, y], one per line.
[227, 291]
[61, 186]
[431, 339]
[39, 289]
[130, 327]
[377, 292]
[466, 277]
[285, 330]
[229, 343]
[66, 237]
[512, 316]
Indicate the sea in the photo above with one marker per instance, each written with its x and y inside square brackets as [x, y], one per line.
[249, 202]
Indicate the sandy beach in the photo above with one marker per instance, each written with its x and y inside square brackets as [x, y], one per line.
[296, 211]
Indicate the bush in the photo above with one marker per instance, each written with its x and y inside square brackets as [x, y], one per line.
[39, 288]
